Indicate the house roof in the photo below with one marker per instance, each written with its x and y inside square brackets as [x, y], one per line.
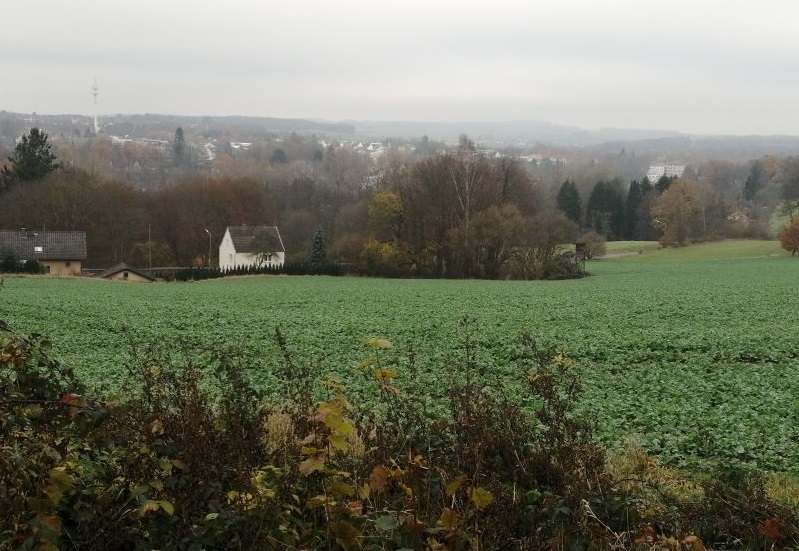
[43, 245]
[122, 267]
[244, 238]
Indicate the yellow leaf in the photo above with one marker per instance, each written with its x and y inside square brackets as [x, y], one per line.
[449, 519]
[305, 450]
[316, 501]
[148, 507]
[326, 409]
[168, 508]
[342, 488]
[338, 424]
[179, 464]
[379, 343]
[60, 478]
[366, 363]
[312, 464]
[481, 497]
[52, 521]
[338, 442]
[364, 491]
[453, 486]
[385, 374]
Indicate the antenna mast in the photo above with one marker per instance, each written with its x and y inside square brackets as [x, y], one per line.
[95, 92]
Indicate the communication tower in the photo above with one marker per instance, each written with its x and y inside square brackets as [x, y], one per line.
[95, 92]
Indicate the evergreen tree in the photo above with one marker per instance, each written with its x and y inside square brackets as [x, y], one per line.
[605, 210]
[664, 183]
[318, 248]
[278, 157]
[644, 230]
[632, 210]
[32, 160]
[755, 181]
[569, 201]
[179, 145]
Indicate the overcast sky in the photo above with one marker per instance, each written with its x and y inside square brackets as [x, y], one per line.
[702, 66]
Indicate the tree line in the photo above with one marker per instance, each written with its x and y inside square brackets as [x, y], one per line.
[452, 213]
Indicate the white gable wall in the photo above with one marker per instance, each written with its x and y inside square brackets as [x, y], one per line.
[229, 258]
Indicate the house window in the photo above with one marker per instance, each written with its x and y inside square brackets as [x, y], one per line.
[124, 275]
[46, 269]
[38, 249]
[67, 264]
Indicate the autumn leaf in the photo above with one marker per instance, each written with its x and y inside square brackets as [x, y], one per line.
[770, 528]
[347, 536]
[481, 497]
[379, 343]
[342, 488]
[148, 507]
[338, 442]
[313, 463]
[453, 486]
[378, 479]
[385, 374]
[449, 519]
[693, 543]
[325, 410]
[167, 506]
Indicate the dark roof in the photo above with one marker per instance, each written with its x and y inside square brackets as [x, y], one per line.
[244, 236]
[122, 267]
[43, 245]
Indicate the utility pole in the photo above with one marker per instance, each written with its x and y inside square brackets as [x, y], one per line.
[209, 248]
[149, 247]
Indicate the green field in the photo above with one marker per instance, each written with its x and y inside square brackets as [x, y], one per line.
[696, 356]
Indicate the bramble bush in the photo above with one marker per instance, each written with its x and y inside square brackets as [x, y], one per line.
[190, 459]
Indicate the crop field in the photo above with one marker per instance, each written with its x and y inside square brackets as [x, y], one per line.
[696, 357]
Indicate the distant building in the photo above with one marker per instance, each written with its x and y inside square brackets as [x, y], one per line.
[251, 246]
[61, 253]
[671, 170]
[123, 272]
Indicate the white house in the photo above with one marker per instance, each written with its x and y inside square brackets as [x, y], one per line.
[251, 246]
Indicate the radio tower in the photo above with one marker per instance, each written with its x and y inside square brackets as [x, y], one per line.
[95, 91]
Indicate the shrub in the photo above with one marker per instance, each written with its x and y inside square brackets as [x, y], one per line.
[180, 462]
[789, 237]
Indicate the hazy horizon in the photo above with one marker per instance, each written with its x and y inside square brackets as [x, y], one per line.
[710, 68]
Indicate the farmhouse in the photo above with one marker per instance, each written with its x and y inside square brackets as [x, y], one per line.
[61, 253]
[251, 246]
[123, 272]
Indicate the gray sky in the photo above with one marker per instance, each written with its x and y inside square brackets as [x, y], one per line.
[704, 66]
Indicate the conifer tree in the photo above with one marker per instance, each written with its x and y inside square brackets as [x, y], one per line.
[632, 210]
[32, 160]
[568, 201]
[755, 181]
[318, 248]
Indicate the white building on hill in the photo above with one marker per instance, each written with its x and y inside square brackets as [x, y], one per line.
[656, 172]
[251, 246]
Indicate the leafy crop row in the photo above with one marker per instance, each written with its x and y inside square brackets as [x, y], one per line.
[696, 360]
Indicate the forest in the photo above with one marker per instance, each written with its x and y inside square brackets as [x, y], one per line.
[417, 208]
